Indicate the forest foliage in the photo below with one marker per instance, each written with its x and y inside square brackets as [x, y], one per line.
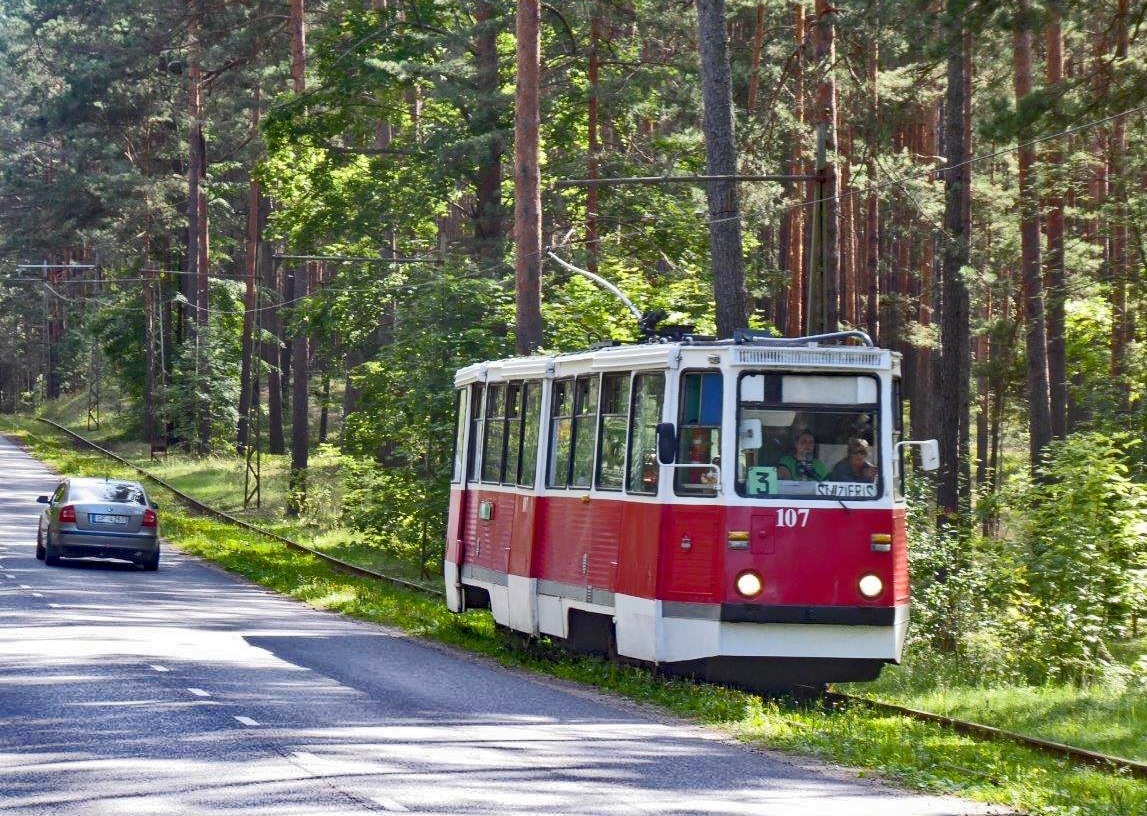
[381, 176]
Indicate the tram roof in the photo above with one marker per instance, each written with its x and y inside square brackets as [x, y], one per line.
[759, 353]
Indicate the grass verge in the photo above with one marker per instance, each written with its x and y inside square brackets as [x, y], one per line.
[916, 754]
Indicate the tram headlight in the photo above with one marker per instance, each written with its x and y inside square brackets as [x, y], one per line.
[870, 586]
[749, 584]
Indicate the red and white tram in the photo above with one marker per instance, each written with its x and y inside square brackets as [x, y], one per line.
[690, 504]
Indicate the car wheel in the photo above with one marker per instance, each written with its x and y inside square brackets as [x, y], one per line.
[39, 544]
[51, 558]
[150, 564]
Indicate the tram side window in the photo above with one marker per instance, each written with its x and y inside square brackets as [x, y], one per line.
[531, 419]
[513, 432]
[477, 428]
[561, 434]
[494, 445]
[460, 406]
[611, 436]
[699, 433]
[648, 398]
[584, 431]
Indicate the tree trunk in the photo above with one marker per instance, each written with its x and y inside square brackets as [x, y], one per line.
[872, 204]
[955, 365]
[300, 371]
[1039, 397]
[794, 217]
[824, 284]
[721, 160]
[1056, 279]
[527, 180]
[755, 65]
[197, 221]
[593, 138]
[1122, 325]
[490, 215]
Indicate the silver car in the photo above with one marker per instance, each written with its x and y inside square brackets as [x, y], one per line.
[99, 518]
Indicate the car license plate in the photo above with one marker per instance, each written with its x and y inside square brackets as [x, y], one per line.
[101, 518]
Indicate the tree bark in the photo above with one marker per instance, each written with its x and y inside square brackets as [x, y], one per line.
[300, 370]
[1054, 264]
[197, 222]
[490, 212]
[1122, 324]
[824, 305]
[872, 204]
[955, 368]
[794, 217]
[755, 65]
[1039, 396]
[593, 138]
[721, 160]
[527, 180]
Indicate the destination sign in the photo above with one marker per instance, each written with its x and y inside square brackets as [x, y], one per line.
[846, 490]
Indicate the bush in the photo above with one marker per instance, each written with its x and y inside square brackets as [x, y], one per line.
[961, 584]
[1080, 588]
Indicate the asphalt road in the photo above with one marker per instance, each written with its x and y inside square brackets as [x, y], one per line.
[189, 691]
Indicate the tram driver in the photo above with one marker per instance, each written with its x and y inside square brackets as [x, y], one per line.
[802, 465]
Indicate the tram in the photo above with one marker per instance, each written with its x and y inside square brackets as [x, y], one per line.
[731, 510]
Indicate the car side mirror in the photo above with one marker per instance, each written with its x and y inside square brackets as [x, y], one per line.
[154, 504]
[43, 499]
[666, 443]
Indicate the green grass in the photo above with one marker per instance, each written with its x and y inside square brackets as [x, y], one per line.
[916, 754]
[1110, 719]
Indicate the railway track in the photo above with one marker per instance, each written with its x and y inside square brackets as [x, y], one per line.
[1080, 756]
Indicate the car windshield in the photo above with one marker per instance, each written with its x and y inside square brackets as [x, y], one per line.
[808, 435]
[115, 492]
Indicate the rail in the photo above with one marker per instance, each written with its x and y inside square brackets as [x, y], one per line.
[200, 507]
[1080, 756]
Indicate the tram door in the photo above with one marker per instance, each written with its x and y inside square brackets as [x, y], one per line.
[459, 518]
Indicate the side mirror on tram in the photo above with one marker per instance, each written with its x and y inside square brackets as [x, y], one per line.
[666, 443]
[929, 454]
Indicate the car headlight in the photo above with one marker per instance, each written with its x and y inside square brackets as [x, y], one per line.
[749, 584]
[870, 586]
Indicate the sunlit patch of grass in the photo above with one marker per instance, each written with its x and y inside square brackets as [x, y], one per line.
[1110, 719]
[917, 754]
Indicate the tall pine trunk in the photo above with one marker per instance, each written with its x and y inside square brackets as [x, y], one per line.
[955, 365]
[721, 160]
[300, 369]
[1039, 397]
[527, 179]
[1054, 263]
[794, 259]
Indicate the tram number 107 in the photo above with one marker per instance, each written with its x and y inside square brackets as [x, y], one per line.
[792, 517]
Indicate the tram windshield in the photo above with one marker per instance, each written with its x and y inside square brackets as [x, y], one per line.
[808, 435]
